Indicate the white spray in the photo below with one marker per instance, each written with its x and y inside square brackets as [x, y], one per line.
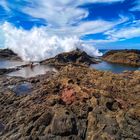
[36, 44]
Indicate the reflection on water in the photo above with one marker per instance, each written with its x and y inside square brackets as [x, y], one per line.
[10, 64]
[116, 68]
[22, 89]
[28, 72]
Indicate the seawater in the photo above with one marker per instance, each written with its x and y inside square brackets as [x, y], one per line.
[116, 68]
[5, 64]
[28, 72]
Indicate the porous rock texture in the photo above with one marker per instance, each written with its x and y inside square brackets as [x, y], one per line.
[127, 57]
[77, 103]
[75, 57]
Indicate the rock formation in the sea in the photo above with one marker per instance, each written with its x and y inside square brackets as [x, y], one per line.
[77, 103]
[8, 54]
[6, 71]
[127, 57]
[75, 57]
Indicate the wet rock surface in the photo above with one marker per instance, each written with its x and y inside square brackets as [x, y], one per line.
[76, 103]
[76, 56]
[127, 57]
[9, 61]
[8, 54]
[5, 71]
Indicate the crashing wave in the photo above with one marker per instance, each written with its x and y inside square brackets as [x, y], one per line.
[36, 44]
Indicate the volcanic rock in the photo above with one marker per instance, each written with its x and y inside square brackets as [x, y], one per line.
[1, 127]
[8, 54]
[127, 57]
[64, 123]
[76, 103]
[4, 71]
[76, 56]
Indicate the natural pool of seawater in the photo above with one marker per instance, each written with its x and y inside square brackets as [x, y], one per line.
[22, 89]
[5, 64]
[116, 68]
[28, 72]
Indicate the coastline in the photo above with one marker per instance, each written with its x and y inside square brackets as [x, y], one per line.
[74, 103]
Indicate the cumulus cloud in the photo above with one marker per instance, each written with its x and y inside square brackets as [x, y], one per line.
[65, 25]
[65, 17]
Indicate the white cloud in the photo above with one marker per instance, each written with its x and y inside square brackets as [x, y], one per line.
[64, 16]
[136, 6]
[127, 32]
[104, 1]
[64, 19]
[4, 4]
[85, 28]
[60, 12]
[36, 44]
[54, 12]
[99, 41]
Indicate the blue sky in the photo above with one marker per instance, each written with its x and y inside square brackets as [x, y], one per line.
[112, 24]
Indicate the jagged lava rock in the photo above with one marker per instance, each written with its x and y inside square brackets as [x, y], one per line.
[76, 56]
[8, 54]
[127, 57]
[76, 103]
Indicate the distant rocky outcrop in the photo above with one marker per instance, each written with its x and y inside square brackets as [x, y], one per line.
[127, 57]
[8, 54]
[5, 71]
[75, 57]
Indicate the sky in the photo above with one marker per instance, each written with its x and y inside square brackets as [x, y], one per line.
[106, 24]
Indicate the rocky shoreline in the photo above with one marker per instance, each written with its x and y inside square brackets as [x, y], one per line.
[75, 103]
[126, 57]
[9, 55]
[75, 57]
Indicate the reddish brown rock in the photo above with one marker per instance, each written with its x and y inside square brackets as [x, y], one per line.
[126, 57]
[68, 95]
[76, 103]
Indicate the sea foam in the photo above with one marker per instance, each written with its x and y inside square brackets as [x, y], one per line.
[36, 44]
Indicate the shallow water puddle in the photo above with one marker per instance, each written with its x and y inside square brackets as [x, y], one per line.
[28, 72]
[5, 64]
[22, 89]
[116, 68]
